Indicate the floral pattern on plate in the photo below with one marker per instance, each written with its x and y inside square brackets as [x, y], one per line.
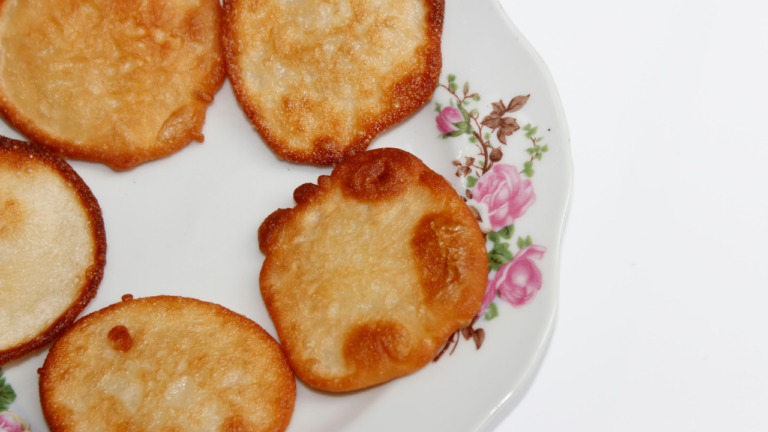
[498, 194]
[9, 421]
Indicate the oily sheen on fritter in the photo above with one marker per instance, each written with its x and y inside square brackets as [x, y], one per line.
[52, 247]
[372, 271]
[118, 82]
[320, 79]
[166, 364]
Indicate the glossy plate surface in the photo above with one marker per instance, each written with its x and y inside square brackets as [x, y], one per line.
[186, 225]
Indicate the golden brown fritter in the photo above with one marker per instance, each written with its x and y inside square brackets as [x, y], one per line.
[166, 364]
[372, 271]
[52, 247]
[320, 79]
[118, 82]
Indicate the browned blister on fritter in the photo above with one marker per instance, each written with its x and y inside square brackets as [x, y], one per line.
[118, 82]
[166, 364]
[52, 247]
[372, 271]
[320, 79]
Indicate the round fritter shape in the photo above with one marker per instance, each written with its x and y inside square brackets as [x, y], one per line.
[118, 82]
[52, 247]
[372, 271]
[166, 363]
[320, 79]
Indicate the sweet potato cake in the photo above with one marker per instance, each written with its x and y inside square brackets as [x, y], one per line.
[118, 82]
[166, 364]
[320, 79]
[372, 271]
[52, 247]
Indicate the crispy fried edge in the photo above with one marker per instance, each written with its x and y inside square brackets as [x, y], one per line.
[56, 422]
[94, 273]
[411, 93]
[117, 161]
[270, 236]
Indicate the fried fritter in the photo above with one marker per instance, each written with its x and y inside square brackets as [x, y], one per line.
[320, 79]
[52, 247]
[118, 82]
[372, 271]
[166, 363]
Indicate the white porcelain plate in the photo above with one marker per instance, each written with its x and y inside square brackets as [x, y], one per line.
[186, 225]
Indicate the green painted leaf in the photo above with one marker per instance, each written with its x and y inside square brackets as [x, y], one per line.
[476, 98]
[499, 255]
[438, 107]
[464, 127]
[451, 77]
[504, 251]
[465, 103]
[497, 260]
[530, 151]
[492, 312]
[545, 148]
[451, 102]
[7, 396]
[487, 135]
[531, 131]
[464, 114]
[494, 237]
[502, 248]
[520, 243]
[481, 163]
[473, 112]
[528, 169]
[454, 87]
[537, 147]
[471, 181]
[528, 241]
[507, 232]
[466, 87]
[454, 133]
[472, 139]
[538, 156]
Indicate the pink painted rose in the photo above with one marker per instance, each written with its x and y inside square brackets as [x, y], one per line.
[518, 280]
[446, 119]
[10, 422]
[505, 193]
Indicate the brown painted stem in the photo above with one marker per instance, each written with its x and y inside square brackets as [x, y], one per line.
[487, 163]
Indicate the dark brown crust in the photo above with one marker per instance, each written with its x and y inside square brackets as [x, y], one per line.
[306, 193]
[270, 229]
[407, 95]
[120, 338]
[57, 422]
[94, 274]
[116, 161]
[434, 245]
[375, 340]
[378, 176]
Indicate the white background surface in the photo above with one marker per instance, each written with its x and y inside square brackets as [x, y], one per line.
[662, 322]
